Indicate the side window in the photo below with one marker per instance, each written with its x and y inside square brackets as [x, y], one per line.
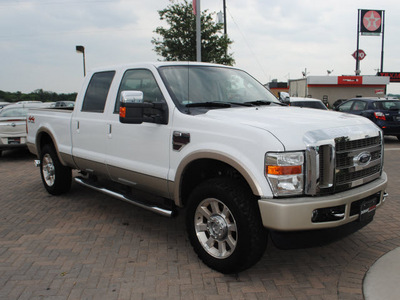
[140, 80]
[346, 106]
[359, 105]
[97, 91]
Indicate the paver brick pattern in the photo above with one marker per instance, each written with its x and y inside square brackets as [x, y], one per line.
[86, 245]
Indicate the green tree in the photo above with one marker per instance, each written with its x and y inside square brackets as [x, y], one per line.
[178, 42]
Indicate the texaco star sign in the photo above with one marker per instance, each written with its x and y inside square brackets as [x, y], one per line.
[372, 20]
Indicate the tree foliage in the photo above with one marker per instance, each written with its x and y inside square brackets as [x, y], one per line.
[37, 95]
[178, 42]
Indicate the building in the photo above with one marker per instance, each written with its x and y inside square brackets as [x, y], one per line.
[276, 87]
[331, 88]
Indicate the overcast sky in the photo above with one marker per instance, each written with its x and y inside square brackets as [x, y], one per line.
[272, 39]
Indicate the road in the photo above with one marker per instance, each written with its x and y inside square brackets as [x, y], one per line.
[85, 245]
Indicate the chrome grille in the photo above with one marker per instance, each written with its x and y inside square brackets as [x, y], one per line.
[355, 162]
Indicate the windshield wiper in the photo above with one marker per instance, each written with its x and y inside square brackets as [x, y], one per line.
[209, 104]
[263, 102]
[259, 102]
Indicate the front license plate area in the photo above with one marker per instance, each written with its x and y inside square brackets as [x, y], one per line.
[14, 141]
[367, 209]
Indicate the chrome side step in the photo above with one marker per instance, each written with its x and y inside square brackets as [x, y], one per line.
[148, 206]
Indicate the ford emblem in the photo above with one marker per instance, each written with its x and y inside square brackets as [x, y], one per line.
[362, 159]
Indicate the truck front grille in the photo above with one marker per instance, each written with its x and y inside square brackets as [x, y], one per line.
[348, 163]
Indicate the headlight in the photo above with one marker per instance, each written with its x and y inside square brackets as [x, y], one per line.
[284, 172]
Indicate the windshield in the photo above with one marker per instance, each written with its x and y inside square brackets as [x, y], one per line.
[309, 104]
[203, 86]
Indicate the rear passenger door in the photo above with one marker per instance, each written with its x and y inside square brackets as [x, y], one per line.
[89, 129]
[358, 107]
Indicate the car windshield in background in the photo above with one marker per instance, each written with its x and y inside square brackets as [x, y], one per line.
[309, 104]
[218, 87]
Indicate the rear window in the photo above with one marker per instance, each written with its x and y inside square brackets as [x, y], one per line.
[97, 91]
[309, 104]
[387, 105]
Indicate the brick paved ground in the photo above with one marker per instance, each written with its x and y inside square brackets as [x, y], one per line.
[85, 245]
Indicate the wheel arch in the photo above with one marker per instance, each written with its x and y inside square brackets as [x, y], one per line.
[200, 166]
[44, 137]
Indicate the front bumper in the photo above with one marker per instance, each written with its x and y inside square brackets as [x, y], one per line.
[290, 214]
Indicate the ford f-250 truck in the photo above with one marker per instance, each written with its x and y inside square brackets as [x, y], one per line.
[213, 140]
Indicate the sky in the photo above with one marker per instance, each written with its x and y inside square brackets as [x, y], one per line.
[271, 39]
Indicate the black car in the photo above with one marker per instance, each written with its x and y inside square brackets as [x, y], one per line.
[383, 112]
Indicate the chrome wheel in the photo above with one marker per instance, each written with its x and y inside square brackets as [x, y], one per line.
[215, 228]
[48, 170]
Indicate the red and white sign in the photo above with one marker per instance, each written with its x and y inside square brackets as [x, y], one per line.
[350, 80]
[380, 92]
[372, 20]
[361, 54]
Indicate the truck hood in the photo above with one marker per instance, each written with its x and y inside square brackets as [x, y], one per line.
[295, 127]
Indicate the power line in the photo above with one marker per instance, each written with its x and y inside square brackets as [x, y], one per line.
[248, 44]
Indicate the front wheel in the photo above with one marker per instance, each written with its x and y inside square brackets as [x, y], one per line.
[224, 225]
[56, 177]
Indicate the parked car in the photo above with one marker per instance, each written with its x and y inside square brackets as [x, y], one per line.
[13, 125]
[338, 102]
[383, 112]
[69, 104]
[307, 102]
[2, 104]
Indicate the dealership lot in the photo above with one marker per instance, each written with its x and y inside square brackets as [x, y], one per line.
[85, 245]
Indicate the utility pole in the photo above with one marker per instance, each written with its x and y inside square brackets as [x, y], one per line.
[198, 31]
[225, 30]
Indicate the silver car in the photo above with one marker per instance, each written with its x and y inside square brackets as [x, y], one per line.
[13, 125]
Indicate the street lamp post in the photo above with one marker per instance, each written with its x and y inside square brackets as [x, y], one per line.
[81, 49]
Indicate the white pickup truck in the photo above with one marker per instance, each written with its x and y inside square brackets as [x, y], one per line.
[211, 139]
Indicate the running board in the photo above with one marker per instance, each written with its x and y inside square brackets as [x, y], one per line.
[148, 206]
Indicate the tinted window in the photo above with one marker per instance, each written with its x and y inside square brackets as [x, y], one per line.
[359, 105]
[346, 106]
[390, 105]
[140, 80]
[309, 104]
[97, 91]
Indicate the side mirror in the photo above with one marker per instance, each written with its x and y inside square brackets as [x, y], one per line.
[131, 97]
[284, 97]
[133, 109]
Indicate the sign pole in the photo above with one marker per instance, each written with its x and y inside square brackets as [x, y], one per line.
[358, 43]
[383, 37]
[198, 31]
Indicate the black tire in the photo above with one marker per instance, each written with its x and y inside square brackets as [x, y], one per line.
[398, 137]
[56, 177]
[224, 225]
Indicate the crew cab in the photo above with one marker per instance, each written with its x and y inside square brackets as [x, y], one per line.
[213, 140]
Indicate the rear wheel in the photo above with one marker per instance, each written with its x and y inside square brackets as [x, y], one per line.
[56, 177]
[224, 225]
